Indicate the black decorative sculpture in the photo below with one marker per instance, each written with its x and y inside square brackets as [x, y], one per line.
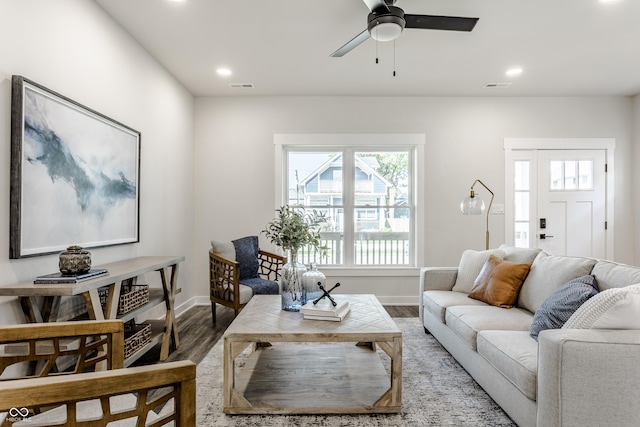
[325, 293]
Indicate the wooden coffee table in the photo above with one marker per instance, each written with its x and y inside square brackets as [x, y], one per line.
[313, 366]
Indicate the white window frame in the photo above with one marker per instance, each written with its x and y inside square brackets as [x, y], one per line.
[357, 142]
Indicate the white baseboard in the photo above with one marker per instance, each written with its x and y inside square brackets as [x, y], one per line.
[384, 300]
[398, 300]
[190, 303]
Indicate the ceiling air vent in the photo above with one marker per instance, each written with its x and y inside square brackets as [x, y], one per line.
[241, 85]
[497, 85]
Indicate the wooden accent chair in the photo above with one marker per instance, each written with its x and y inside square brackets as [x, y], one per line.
[224, 279]
[95, 387]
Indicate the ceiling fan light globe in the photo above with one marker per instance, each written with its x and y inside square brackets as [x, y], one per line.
[386, 31]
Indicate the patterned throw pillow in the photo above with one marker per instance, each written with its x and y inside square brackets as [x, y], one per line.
[562, 303]
[615, 308]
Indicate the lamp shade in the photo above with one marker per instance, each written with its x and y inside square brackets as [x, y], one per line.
[472, 205]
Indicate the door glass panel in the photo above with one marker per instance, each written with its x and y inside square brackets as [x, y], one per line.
[586, 175]
[522, 195]
[522, 175]
[556, 167]
[571, 175]
[522, 206]
[521, 234]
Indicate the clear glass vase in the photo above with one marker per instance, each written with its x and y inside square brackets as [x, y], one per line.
[291, 278]
[311, 281]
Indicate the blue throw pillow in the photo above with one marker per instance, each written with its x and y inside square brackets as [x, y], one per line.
[562, 303]
[247, 255]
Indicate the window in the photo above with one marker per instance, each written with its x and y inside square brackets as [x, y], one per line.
[368, 195]
[522, 190]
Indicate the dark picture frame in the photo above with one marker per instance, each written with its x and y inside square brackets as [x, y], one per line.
[75, 175]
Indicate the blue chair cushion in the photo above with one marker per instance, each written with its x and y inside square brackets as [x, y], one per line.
[262, 286]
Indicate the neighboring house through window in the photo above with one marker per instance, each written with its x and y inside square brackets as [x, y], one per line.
[365, 184]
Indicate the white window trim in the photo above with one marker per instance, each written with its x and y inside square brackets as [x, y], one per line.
[411, 141]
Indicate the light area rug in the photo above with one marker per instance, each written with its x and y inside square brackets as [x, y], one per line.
[436, 391]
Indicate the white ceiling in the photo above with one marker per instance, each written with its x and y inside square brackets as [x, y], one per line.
[566, 47]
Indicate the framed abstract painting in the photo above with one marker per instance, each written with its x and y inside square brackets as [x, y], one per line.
[75, 175]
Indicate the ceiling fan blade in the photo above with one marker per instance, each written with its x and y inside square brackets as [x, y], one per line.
[377, 5]
[355, 42]
[433, 22]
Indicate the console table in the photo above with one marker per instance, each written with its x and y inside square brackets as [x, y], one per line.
[121, 272]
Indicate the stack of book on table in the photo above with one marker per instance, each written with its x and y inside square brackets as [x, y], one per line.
[54, 278]
[325, 310]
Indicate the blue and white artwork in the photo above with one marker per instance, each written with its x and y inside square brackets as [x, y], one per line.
[79, 177]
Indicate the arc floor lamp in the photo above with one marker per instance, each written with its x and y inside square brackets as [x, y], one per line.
[474, 205]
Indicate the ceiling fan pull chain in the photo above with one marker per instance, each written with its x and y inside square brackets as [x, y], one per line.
[377, 46]
[394, 58]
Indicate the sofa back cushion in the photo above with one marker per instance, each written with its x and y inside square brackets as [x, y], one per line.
[470, 265]
[548, 273]
[519, 255]
[613, 275]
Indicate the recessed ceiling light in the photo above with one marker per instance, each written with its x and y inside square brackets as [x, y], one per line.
[223, 72]
[515, 71]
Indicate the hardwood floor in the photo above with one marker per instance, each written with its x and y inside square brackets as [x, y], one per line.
[198, 334]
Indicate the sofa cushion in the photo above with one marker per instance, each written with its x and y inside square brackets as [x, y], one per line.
[615, 308]
[499, 282]
[548, 273]
[468, 320]
[471, 263]
[245, 293]
[562, 303]
[436, 302]
[515, 355]
[262, 286]
[613, 275]
[520, 255]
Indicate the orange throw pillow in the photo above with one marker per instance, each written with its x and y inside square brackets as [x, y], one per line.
[499, 282]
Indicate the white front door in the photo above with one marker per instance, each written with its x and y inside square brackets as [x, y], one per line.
[571, 208]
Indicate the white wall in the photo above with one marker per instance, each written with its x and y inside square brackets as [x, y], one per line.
[74, 48]
[464, 140]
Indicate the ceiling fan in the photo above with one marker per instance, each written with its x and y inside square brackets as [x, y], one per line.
[386, 22]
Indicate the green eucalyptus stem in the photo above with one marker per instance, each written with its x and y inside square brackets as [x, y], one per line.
[294, 228]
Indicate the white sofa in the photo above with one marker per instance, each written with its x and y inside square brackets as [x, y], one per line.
[569, 377]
